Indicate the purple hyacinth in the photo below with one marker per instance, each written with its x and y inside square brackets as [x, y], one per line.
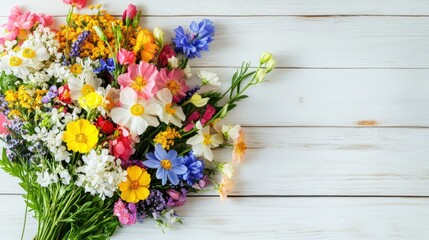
[76, 46]
[4, 107]
[189, 94]
[152, 206]
[52, 93]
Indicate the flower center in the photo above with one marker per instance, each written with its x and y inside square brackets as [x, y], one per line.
[137, 109]
[15, 61]
[86, 89]
[166, 164]
[139, 83]
[134, 184]
[241, 146]
[80, 138]
[173, 86]
[207, 139]
[76, 68]
[169, 110]
[28, 53]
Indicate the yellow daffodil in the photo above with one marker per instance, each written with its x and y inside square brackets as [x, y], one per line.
[136, 187]
[80, 136]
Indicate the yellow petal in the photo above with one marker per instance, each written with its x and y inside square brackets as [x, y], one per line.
[144, 179]
[126, 195]
[73, 128]
[142, 193]
[84, 148]
[125, 186]
[83, 124]
[134, 172]
[68, 137]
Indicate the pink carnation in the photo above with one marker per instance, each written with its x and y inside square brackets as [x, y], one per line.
[174, 81]
[141, 78]
[125, 57]
[125, 214]
[78, 3]
[122, 147]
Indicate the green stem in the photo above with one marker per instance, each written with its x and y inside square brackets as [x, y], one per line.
[25, 217]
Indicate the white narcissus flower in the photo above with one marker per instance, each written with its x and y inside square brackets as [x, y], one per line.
[33, 53]
[209, 78]
[135, 113]
[231, 132]
[79, 87]
[203, 142]
[170, 112]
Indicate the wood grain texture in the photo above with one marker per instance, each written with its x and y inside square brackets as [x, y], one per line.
[269, 218]
[325, 161]
[240, 7]
[300, 42]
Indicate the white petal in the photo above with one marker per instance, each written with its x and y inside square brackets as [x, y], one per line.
[138, 126]
[151, 120]
[121, 116]
[128, 97]
[164, 95]
[208, 154]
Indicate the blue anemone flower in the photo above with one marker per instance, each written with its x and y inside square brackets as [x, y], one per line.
[192, 44]
[169, 164]
[195, 170]
[106, 65]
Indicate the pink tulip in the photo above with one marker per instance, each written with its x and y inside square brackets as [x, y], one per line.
[129, 13]
[78, 3]
[125, 57]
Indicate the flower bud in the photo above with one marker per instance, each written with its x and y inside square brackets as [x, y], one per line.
[158, 34]
[271, 65]
[224, 111]
[266, 56]
[129, 14]
[100, 33]
[260, 75]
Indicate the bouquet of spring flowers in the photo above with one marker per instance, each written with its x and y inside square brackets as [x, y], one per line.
[101, 124]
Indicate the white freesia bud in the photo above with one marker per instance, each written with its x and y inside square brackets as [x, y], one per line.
[231, 132]
[173, 62]
[197, 100]
[266, 56]
[271, 65]
[260, 75]
[187, 71]
[158, 34]
[209, 78]
[224, 111]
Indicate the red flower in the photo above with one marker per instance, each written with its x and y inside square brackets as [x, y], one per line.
[105, 125]
[64, 94]
[122, 147]
[166, 53]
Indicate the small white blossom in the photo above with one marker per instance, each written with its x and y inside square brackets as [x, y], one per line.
[209, 78]
[231, 132]
[173, 62]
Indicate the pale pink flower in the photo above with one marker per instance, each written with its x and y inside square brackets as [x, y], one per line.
[226, 185]
[3, 121]
[141, 78]
[124, 213]
[78, 3]
[174, 80]
[239, 149]
[125, 57]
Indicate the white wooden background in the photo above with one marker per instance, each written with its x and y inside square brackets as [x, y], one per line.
[339, 136]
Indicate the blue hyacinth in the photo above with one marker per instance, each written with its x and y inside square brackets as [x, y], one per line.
[195, 169]
[192, 44]
[106, 65]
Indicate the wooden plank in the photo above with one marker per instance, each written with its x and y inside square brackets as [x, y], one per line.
[334, 97]
[325, 161]
[240, 7]
[268, 218]
[302, 42]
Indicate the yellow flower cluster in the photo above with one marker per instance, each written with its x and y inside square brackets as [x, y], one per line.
[93, 46]
[166, 138]
[24, 98]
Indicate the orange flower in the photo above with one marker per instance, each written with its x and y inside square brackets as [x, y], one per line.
[239, 148]
[145, 46]
[225, 187]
